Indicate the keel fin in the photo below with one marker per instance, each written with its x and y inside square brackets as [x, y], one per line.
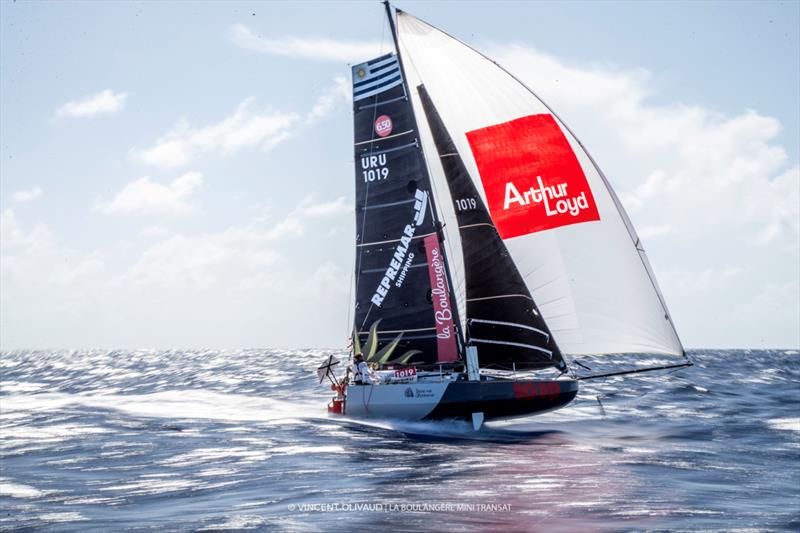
[477, 421]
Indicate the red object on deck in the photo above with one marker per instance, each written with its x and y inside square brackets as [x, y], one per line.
[336, 406]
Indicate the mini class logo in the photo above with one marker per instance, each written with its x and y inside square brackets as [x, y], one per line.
[383, 125]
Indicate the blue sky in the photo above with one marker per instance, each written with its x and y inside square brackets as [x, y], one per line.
[180, 174]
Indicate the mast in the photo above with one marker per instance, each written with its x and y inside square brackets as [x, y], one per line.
[460, 335]
[388, 7]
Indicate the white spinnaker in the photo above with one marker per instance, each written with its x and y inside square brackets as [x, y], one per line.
[591, 281]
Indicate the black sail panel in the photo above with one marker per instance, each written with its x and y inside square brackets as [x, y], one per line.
[503, 321]
[395, 217]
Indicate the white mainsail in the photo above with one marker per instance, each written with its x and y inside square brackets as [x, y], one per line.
[589, 275]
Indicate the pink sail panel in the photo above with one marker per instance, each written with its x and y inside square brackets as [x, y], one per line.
[442, 308]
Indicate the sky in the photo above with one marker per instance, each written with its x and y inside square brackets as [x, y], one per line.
[180, 175]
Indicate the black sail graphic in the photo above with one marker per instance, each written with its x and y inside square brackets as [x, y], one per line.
[503, 321]
[395, 212]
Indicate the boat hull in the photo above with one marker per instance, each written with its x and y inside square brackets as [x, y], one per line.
[458, 399]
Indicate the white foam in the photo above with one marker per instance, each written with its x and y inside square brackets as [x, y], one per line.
[62, 517]
[15, 490]
[173, 404]
[213, 455]
[787, 424]
[152, 486]
[15, 386]
[22, 435]
[214, 472]
[295, 450]
[237, 522]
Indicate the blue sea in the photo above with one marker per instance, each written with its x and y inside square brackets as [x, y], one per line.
[240, 440]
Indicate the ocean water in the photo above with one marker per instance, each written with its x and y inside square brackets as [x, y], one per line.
[240, 440]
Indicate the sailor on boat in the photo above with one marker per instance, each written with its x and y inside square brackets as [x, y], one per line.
[361, 372]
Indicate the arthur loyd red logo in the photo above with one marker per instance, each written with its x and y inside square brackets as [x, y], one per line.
[532, 179]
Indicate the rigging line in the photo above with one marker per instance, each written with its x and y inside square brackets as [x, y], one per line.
[637, 371]
[369, 310]
[350, 303]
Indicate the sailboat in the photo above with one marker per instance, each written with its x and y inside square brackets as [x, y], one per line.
[489, 244]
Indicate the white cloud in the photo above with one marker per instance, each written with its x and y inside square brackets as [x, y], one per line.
[144, 196]
[180, 262]
[154, 232]
[648, 232]
[13, 236]
[106, 101]
[717, 172]
[328, 100]
[246, 127]
[27, 195]
[32, 257]
[241, 253]
[697, 282]
[714, 196]
[306, 47]
[248, 284]
[309, 208]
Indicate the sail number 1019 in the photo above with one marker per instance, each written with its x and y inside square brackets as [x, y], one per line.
[375, 174]
[466, 204]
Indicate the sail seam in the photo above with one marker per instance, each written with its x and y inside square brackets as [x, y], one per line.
[391, 204]
[511, 324]
[373, 270]
[415, 237]
[476, 225]
[396, 330]
[500, 296]
[382, 138]
[382, 102]
[389, 150]
[519, 344]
